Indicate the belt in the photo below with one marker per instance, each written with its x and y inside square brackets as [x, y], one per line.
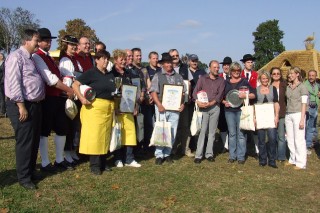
[33, 102]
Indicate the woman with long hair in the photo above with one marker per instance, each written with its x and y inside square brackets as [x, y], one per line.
[281, 85]
[297, 99]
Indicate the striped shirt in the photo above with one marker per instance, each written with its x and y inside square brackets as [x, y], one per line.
[22, 79]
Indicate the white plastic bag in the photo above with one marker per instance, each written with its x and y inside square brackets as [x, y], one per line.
[247, 116]
[115, 142]
[71, 109]
[195, 126]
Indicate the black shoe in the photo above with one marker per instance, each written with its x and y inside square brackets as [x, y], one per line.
[28, 185]
[36, 176]
[225, 150]
[48, 168]
[159, 161]
[256, 156]
[169, 159]
[241, 161]
[96, 171]
[197, 160]
[211, 159]
[64, 165]
[107, 169]
[262, 164]
[231, 161]
[273, 166]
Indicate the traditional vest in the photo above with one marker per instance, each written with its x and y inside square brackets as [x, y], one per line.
[50, 90]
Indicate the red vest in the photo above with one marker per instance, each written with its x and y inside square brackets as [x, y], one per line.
[50, 90]
[85, 62]
[253, 78]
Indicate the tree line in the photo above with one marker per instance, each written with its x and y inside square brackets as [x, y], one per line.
[267, 37]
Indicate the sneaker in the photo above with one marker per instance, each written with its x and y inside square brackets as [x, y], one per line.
[119, 164]
[189, 154]
[133, 164]
[309, 151]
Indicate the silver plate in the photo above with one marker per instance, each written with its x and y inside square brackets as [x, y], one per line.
[233, 98]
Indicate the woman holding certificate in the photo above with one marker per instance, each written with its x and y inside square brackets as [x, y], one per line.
[267, 95]
[96, 115]
[233, 101]
[128, 130]
[297, 99]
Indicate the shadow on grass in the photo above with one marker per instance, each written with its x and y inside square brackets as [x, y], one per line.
[8, 178]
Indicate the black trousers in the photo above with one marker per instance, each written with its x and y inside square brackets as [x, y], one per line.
[98, 162]
[27, 135]
[2, 100]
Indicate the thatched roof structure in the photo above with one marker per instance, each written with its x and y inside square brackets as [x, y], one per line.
[308, 59]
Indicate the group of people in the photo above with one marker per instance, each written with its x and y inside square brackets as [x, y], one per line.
[37, 88]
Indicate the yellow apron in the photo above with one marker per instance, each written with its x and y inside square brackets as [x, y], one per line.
[128, 130]
[96, 120]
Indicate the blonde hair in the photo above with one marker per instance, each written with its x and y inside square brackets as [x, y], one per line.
[235, 66]
[266, 73]
[296, 70]
[118, 53]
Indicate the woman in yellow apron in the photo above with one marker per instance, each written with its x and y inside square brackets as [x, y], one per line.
[96, 114]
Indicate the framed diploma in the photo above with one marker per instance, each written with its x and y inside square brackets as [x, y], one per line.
[128, 98]
[172, 97]
[265, 115]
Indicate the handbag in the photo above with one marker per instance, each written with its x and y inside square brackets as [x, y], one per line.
[140, 126]
[115, 142]
[71, 109]
[195, 126]
[161, 135]
[265, 115]
[247, 115]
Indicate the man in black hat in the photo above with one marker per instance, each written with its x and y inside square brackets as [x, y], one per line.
[166, 76]
[248, 72]
[225, 67]
[252, 77]
[222, 124]
[53, 115]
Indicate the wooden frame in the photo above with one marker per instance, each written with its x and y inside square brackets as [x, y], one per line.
[172, 96]
[128, 98]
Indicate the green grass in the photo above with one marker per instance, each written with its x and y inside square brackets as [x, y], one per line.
[180, 187]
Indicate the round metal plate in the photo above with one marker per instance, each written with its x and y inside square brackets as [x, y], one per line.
[233, 98]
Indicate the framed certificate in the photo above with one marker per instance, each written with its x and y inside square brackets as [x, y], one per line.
[128, 98]
[172, 97]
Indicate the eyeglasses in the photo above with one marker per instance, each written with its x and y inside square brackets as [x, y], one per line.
[175, 56]
[275, 73]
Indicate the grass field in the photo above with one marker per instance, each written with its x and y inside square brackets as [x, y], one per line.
[180, 187]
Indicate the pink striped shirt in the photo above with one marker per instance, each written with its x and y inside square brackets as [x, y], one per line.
[22, 80]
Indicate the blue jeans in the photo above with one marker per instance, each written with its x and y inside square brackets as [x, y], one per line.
[282, 144]
[311, 125]
[237, 141]
[267, 152]
[173, 118]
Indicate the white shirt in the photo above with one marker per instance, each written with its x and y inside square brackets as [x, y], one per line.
[67, 69]
[49, 77]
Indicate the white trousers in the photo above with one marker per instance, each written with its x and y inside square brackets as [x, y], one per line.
[296, 140]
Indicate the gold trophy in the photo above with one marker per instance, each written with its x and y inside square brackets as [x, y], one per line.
[118, 83]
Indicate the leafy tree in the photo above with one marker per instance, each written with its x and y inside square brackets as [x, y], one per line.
[78, 28]
[12, 25]
[267, 42]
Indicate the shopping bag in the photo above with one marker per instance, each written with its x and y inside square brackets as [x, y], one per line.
[196, 121]
[115, 142]
[247, 116]
[161, 135]
[265, 115]
[71, 109]
[140, 127]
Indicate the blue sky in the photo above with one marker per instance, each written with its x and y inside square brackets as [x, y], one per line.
[209, 28]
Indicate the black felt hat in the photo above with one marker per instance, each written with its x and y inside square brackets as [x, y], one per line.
[247, 57]
[45, 33]
[226, 60]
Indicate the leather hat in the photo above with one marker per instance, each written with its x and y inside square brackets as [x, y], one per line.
[165, 57]
[70, 39]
